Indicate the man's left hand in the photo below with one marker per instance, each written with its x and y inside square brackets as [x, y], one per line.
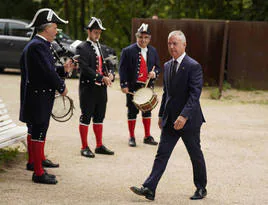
[180, 122]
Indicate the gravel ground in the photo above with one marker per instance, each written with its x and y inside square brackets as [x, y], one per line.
[234, 142]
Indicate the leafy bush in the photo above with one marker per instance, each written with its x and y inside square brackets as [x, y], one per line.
[215, 94]
[8, 155]
[226, 86]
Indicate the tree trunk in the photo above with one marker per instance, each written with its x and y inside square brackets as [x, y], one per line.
[75, 23]
[82, 17]
[67, 16]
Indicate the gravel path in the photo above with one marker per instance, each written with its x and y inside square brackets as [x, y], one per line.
[234, 142]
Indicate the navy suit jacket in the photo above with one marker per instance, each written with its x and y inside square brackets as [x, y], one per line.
[181, 94]
[129, 65]
[39, 80]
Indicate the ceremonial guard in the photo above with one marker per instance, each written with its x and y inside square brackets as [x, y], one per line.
[95, 75]
[40, 78]
[138, 63]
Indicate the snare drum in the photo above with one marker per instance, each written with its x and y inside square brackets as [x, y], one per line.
[145, 99]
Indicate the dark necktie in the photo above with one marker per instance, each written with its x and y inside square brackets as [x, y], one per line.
[174, 68]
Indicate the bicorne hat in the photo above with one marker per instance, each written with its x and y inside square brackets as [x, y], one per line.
[144, 28]
[44, 16]
[95, 23]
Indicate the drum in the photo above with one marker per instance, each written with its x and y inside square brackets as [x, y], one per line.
[145, 99]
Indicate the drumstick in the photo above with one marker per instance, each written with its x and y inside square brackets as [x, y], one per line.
[131, 93]
[63, 102]
[134, 94]
[148, 80]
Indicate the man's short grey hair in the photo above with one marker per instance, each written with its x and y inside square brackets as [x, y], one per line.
[179, 34]
[138, 34]
[42, 27]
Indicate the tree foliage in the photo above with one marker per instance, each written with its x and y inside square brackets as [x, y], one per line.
[117, 14]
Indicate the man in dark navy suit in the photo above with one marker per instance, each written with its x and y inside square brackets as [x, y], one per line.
[138, 62]
[95, 75]
[40, 78]
[180, 116]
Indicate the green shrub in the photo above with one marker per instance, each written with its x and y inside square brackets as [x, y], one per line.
[215, 94]
[7, 155]
[226, 86]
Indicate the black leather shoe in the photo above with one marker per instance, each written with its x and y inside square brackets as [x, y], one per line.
[103, 150]
[132, 142]
[30, 166]
[199, 194]
[50, 175]
[87, 153]
[44, 179]
[143, 191]
[49, 164]
[149, 140]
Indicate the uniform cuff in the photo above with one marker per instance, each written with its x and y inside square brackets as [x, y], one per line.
[99, 78]
[124, 85]
[62, 88]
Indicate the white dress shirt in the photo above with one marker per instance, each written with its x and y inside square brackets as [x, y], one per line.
[179, 60]
[143, 52]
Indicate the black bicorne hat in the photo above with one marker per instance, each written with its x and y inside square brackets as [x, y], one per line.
[44, 16]
[95, 23]
[144, 28]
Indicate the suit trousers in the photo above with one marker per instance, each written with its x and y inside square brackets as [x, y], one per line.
[168, 140]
